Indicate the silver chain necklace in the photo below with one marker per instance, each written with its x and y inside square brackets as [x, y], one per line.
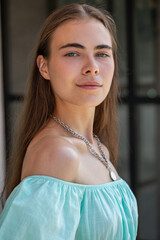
[102, 158]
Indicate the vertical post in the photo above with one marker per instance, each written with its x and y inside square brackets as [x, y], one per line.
[131, 103]
[158, 114]
[110, 6]
[4, 57]
[2, 124]
[51, 6]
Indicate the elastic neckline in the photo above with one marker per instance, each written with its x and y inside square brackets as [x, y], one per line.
[49, 178]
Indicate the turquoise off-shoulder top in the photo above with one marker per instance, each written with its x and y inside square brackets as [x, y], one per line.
[47, 208]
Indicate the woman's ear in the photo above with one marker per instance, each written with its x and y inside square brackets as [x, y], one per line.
[43, 67]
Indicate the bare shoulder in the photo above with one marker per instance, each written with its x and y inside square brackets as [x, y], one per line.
[52, 156]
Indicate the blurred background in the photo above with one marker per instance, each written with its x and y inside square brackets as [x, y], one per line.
[138, 26]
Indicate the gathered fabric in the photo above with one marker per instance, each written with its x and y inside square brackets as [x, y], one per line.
[47, 208]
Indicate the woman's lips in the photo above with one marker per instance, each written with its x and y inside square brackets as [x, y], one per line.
[90, 85]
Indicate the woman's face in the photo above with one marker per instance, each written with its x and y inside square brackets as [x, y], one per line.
[81, 66]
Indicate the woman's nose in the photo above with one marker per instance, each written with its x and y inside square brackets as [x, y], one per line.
[90, 69]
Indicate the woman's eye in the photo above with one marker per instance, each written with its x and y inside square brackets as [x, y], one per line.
[71, 54]
[102, 55]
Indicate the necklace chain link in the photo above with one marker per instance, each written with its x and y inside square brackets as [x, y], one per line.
[102, 158]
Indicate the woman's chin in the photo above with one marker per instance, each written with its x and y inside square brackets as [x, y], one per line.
[87, 104]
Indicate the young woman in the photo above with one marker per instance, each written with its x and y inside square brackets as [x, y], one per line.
[62, 176]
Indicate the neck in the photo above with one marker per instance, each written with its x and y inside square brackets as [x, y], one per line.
[79, 121]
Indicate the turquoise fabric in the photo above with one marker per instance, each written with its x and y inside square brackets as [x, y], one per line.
[47, 208]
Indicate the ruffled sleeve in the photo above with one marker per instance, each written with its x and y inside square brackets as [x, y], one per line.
[39, 209]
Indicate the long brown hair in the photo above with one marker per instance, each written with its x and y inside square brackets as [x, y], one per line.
[40, 102]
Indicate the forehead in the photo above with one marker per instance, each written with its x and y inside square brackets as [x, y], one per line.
[87, 32]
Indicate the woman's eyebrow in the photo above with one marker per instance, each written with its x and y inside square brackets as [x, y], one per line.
[101, 46]
[77, 45]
